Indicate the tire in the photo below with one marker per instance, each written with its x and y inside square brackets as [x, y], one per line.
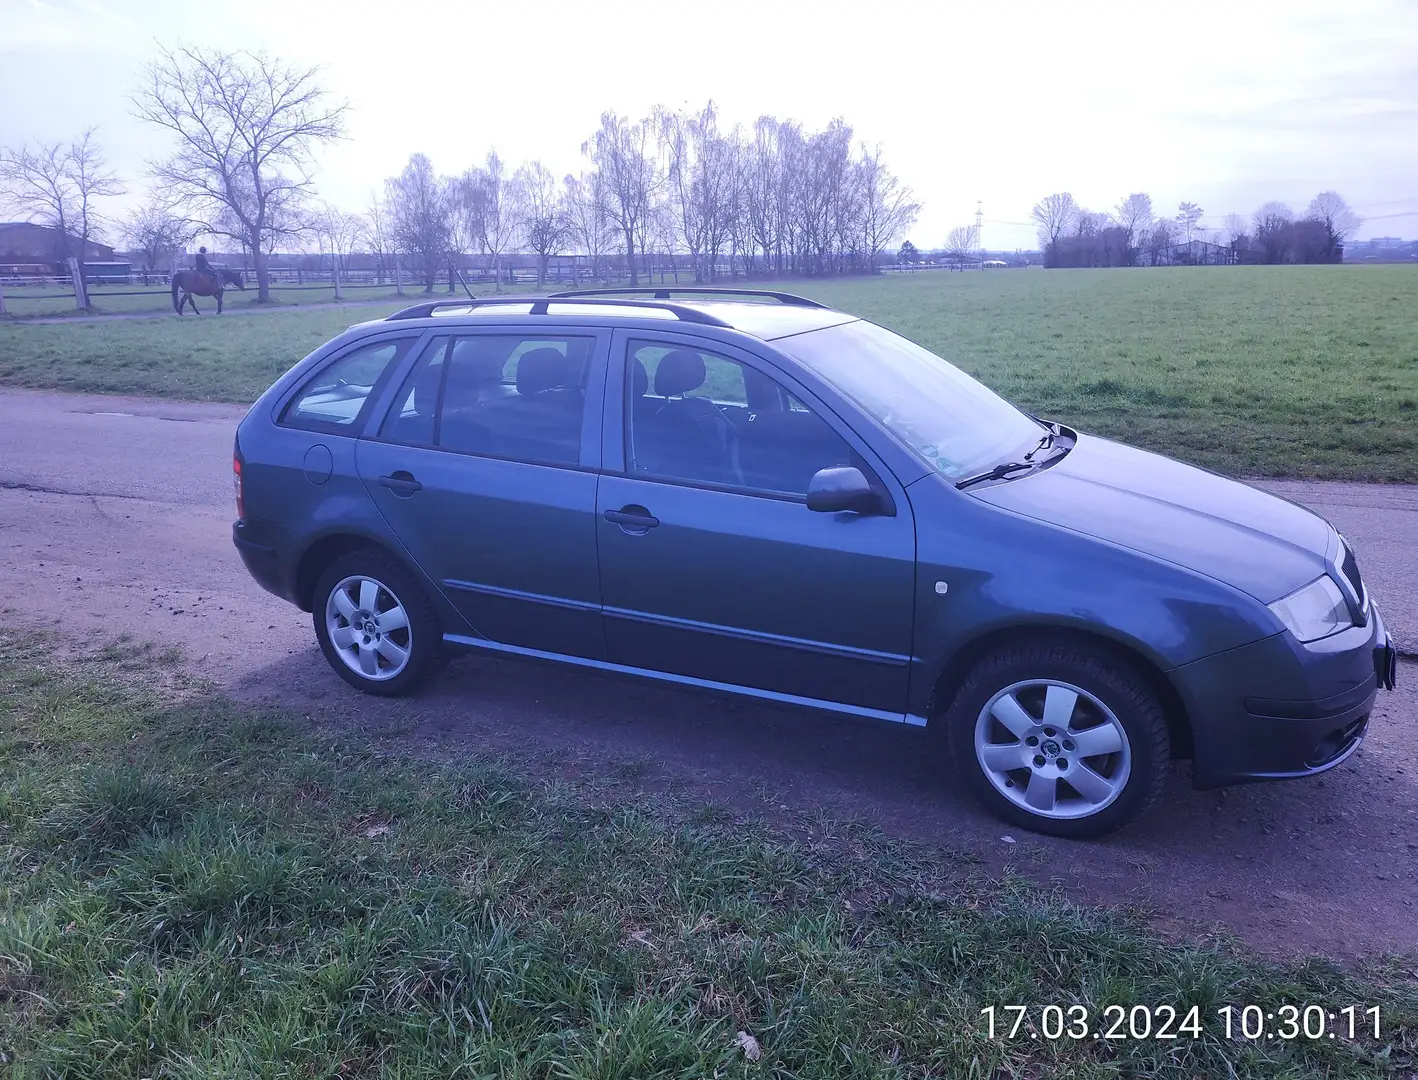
[392, 654]
[1063, 690]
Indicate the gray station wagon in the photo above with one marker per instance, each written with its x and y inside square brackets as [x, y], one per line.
[749, 493]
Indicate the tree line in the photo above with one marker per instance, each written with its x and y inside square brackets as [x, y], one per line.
[1131, 234]
[773, 199]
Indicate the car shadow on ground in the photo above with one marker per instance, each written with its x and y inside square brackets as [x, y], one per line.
[1306, 866]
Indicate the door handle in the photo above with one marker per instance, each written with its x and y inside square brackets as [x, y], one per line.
[401, 483]
[633, 519]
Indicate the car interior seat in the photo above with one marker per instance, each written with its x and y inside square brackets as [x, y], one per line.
[685, 436]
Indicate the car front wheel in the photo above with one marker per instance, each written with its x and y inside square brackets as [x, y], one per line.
[375, 624]
[1059, 738]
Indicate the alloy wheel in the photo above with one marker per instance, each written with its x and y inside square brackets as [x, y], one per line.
[368, 627]
[1053, 749]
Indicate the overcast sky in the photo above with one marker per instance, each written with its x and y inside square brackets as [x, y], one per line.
[1226, 104]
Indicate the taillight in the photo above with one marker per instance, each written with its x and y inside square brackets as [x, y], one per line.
[236, 480]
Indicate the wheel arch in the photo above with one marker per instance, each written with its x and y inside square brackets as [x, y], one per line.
[953, 672]
[315, 559]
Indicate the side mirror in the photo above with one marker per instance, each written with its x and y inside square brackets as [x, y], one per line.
[842, 487]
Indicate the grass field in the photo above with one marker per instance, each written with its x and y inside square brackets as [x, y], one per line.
[50, 301]
[1283, 371]
[192, 890]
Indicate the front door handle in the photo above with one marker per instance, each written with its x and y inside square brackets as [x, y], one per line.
[401, 483]
[635, 520]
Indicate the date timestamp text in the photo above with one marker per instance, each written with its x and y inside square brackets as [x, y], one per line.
[1233, 1022]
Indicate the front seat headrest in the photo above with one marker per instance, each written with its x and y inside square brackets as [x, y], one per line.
[679, 372]
[545, 369]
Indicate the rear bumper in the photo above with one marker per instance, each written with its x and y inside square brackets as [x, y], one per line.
[1278, 709]
[258, 544]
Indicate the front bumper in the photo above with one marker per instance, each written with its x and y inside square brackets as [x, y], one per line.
[1278, 709]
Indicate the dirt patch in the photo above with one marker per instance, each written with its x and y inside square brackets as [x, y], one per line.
[1318, 865]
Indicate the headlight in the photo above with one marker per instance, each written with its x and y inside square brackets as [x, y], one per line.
[1316, 611]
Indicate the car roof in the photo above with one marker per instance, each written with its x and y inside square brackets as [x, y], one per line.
[769, 321]
[776, 315]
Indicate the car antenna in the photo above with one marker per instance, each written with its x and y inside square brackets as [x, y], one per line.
[463, 283]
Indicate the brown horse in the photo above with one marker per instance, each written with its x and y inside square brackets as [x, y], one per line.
[195, 282]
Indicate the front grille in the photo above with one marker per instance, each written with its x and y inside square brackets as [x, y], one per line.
[1350, 568]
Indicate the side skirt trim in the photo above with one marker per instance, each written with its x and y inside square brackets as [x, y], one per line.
[484, 645]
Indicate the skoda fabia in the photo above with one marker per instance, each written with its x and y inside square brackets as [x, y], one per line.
[751, 493]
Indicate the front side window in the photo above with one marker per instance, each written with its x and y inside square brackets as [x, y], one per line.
[501, 395]
[699, 417]
[336, 398]
[955, 424]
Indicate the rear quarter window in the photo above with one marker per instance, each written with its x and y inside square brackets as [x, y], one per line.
[337, 398]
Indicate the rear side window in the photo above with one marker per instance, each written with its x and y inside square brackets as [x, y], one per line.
[337, 397]
[500, 395]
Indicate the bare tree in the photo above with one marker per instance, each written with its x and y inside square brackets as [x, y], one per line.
[420, 223]
[1188, 215]
[246, 124]
[1090, 222]
[962, 243]
[620, 151]
[342, 232]
[1134, 217]
[887, 209]
[762, 183]
[657, 234]
[824, 204]
[1237, 229]
[157, 232]
[58, 186]
[740, 232]
[1055, 215]
[377, 235]
[586, 218]
[1331, 211]
[1272, 230]
[499, 221]
[1160, 239]
[681, 142]
[699, 175]
[540, 213]
[466, 198]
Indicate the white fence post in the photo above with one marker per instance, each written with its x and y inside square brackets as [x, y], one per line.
[76, 274]
[2, 298]
[398, 275]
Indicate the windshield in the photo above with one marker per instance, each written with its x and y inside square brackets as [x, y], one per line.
[955, 424]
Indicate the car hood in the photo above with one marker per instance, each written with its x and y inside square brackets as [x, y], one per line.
[1257, 542]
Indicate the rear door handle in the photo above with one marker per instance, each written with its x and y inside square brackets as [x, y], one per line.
[633, 519]
[401, 484]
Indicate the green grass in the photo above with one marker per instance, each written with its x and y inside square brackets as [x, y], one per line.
[49, 301]
[1307, 371]
[196, 890]
[205, 359]
[1302, 371]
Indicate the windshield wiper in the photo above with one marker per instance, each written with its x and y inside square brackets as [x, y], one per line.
[1050, 437]
[999, 472]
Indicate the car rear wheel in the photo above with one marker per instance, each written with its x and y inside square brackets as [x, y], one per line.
[375, 624]
[1059, 738]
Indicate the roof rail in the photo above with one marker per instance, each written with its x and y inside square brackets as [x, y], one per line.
[661, 292]
[539, 306]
